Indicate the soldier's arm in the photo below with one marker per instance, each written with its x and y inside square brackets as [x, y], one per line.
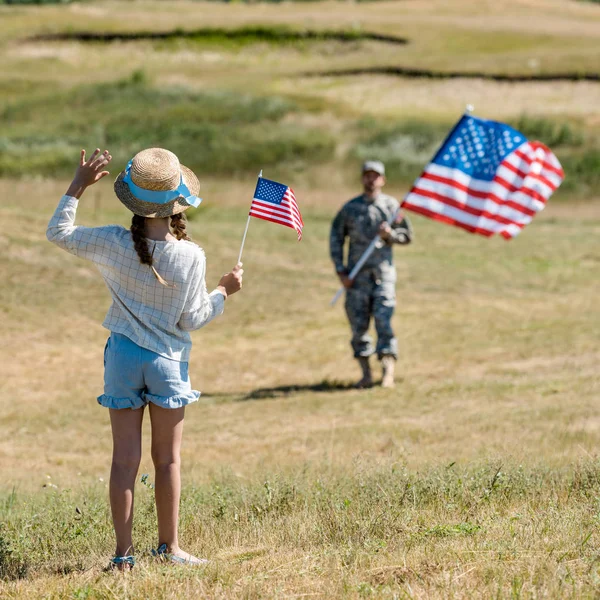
[401, 231]
[337, 237]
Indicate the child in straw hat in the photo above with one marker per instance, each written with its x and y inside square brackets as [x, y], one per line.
[156, 277]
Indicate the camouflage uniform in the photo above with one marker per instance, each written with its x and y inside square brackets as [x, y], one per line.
[373, 293]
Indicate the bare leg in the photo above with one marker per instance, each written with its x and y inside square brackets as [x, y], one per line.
[127, 451]
[167, 429]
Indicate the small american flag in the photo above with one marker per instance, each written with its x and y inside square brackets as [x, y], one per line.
[276, 202]
[486, 178]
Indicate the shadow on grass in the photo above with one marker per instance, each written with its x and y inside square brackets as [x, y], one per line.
[287, 390]
[283, 391]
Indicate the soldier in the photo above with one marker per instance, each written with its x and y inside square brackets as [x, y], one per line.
[372, 293]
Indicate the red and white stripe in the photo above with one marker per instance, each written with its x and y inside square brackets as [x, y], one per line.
[287, 213]
[524, 181]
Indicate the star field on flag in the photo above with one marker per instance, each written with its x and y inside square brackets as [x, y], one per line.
[486, 178]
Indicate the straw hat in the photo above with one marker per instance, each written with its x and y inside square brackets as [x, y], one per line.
[154, 184]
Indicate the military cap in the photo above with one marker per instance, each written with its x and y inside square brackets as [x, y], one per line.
[374, 165]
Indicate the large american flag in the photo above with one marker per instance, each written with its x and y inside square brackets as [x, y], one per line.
[486, 178]
[276, 202]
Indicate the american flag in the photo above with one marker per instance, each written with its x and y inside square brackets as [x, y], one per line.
[486, 178]
[276, 202]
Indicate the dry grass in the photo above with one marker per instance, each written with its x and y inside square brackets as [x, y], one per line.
[490, 332]
[498, 369]
[544, 17]
[398, 97]
[507, 37]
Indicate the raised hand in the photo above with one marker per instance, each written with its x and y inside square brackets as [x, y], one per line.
[89, 172]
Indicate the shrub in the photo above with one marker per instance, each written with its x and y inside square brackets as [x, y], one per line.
[551, 133]
[221, 131]
[405, 148]
[582, 172]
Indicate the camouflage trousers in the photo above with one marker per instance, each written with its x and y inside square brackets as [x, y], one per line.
[372, 296]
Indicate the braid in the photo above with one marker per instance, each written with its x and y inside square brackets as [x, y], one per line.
[140, 243]
[179, 224]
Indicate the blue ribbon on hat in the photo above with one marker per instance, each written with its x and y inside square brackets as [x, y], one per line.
[160, 197]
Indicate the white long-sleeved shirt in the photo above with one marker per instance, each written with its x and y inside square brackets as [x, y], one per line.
[152, 315]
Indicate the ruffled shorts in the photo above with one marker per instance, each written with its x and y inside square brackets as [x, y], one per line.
[134, 376]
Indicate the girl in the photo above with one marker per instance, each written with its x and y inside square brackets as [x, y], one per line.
[156, 277]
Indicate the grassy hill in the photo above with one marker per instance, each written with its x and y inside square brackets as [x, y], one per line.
[293, 87]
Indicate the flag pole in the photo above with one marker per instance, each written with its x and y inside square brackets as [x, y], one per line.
[244, 239]
[375, 243]
[246, 230]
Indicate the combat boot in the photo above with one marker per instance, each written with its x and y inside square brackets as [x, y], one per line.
[367, 379]
[388, 364]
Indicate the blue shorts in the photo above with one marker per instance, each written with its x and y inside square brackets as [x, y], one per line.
[134, 376]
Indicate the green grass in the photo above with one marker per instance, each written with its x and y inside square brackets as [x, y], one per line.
[578, 152]
[234, 133]
[277, 34]
[349, 530]
[230, 132]
[21, 2]
[407, 147]
[550, 131]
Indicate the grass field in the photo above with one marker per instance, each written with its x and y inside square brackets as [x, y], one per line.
[476, 477]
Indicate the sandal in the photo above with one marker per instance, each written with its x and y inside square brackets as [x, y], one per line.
[161, 552]
[122, 563]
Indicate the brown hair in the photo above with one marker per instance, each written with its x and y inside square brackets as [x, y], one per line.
[179, 227]
[140, 243]
[138, 235]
